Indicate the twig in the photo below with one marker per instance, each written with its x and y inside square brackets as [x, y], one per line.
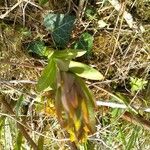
[16, 5]
[127, 16]
[28, 1]
[11, 9]
[18, 81]
[117, 39]
[133, 118]
[99, 140]
[99, 103]
[137, 120]
[121, 106]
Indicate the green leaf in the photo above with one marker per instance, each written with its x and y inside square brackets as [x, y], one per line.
[88, 145]
[38, 47]
[48, 77]
[63, 65]
[58, 105]
[2, 124]
[122, 136]
[42, 2]
[18, 141]
[133, 138]
[85, 71]
[60, 26]
[90, 102]
[79, 53]
[85, 42]
[115, 113]
[137, 84]
[25, 32]
[69, 54]
[18, 104]
[41, 143]
[90, 13]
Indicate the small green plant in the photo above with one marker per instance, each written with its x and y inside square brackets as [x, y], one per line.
[73, 100]
[137, 84]
[74, 103]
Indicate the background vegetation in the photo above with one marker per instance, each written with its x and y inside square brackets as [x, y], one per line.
[114, 34]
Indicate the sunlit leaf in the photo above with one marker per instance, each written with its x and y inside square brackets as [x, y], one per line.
[61, 26]
[85, 71]
[69, 54]
[79, 52]
[90, 103]
[48, 77]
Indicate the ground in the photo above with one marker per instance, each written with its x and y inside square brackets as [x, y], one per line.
[120, 51]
